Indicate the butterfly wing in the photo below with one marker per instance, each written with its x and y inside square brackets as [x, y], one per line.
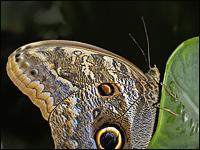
[82, 89]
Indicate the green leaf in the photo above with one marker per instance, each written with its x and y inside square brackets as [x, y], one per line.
[182, 79]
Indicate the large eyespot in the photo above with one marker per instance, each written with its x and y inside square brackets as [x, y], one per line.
[106, 89]
[34, 72]
[109, 138]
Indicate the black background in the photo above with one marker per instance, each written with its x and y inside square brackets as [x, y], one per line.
[105, 24]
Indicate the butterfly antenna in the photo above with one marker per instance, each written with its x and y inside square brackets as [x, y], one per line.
[147, 41]
[139, 48]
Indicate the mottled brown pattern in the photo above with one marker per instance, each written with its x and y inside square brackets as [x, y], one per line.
[63, 78]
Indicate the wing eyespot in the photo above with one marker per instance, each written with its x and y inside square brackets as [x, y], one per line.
[34, 72]
[96, 113]
[17, 55]
[106, 89]
[109, 138]
[17, 58]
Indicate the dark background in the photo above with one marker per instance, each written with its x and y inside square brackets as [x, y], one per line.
[105, 24]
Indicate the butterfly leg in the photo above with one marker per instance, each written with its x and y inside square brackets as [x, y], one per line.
[168, 90]
[166, 109]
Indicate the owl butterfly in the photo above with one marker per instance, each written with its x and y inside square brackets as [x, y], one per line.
[91, 97]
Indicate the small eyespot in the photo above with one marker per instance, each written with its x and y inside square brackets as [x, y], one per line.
[17, 55]
[109, 138]
[17, 59]
[106, 89]
[96, 113]
[34, 72]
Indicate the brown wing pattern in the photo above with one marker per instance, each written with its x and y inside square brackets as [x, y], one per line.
[81, 89]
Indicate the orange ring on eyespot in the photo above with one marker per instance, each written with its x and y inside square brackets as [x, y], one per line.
[109, 129]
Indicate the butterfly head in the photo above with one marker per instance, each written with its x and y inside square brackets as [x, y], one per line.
[154, 72]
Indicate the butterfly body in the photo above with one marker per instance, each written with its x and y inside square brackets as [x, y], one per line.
[82, 89]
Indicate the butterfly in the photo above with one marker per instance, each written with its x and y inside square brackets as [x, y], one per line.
[91, 97]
